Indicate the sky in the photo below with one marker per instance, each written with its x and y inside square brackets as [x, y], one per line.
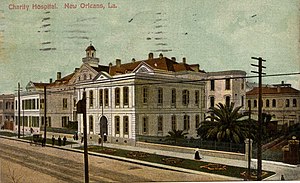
[217, 35]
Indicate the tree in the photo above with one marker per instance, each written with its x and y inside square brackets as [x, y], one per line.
[176, 134]
[225, 123]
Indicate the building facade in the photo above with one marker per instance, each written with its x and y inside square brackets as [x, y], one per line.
[226, 87]
[6, 111]
[281, 101]
[148, 98]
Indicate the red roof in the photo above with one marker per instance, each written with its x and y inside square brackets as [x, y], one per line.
[156, 63]
[274, 90]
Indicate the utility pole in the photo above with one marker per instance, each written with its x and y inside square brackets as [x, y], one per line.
[249, 146]
[81, 109]
[259, 150]
[19, 111]
[45, 115]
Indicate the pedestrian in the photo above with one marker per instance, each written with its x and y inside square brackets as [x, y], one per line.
[82, 139]
[53, 140]
[64, 140]
[59, 141]
[105, 137]
[282, 177]
[197, 154]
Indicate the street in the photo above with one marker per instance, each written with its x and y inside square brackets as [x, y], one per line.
[21, 163]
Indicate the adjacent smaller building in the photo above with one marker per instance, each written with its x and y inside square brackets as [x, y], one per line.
[6, 111]
[225, 87]
[282, 101]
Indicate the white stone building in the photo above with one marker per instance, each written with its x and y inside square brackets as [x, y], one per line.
[226, 87]
[141, 98]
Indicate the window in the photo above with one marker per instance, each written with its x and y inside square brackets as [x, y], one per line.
[186, 122]
[91, 123]
[267, 103]
[126, 125]
[227, 100]
[160, 96]
[106, 97]
[173, 121]
[212, 85]
[242, 84]
[42, 104]
[255, 104]
[91, 98]
[12, 105]
[294, 102]
[117, 96]
[145, 95]
[126, 95]
[212, 101]
[64, 121]
[242, 100]
[7, 105]
[197, 94]
[117, 124]
[145, 124]
[227, 84]
[273, 103]
[249, 103]
[160, 123]
[203, 101]
[101, 97]
[35, 121]
[48, 122]
[185, 97]
[287, 103]
[173, 99]
[197, 121]
[65, 103]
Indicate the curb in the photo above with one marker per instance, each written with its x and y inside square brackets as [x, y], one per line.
[139, 162]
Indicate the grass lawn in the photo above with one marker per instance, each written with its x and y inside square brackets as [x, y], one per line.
[8, 134]
[177, 162]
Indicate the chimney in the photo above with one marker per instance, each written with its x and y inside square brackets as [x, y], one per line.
[50, 81]
[173, 59]
[110, 64]
[133, 60]
[161, 55]
[118, 62]
[184, 60]
[58, 75]
[282, 82]
[150, 56]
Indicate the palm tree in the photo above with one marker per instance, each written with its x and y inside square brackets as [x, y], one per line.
[176, 134]
[225, 123]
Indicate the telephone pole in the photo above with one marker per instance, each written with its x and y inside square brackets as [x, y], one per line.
[259, 134]
[81, 109]
[19, 111]
[45, 115]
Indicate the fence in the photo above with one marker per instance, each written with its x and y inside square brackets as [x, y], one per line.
[202, 144]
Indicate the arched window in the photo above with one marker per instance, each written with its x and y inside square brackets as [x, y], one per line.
[287, 103]
[117, 96]
[185, 97]
[117, 124]
[125, 125]
[267, 103]
[160, 96]
[273, 103]
[173, 120]
[91, 120]
[227, 100]
[160, 123]
[294, 102]
[125, 95]
[255, 104]
[91, 98]
[186, 122]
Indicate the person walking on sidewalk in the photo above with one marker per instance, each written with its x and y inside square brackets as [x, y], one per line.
[59, 141]
[53, 140]
[197, 154]
[64, 140]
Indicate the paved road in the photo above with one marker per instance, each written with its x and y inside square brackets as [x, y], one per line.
[22, 162]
